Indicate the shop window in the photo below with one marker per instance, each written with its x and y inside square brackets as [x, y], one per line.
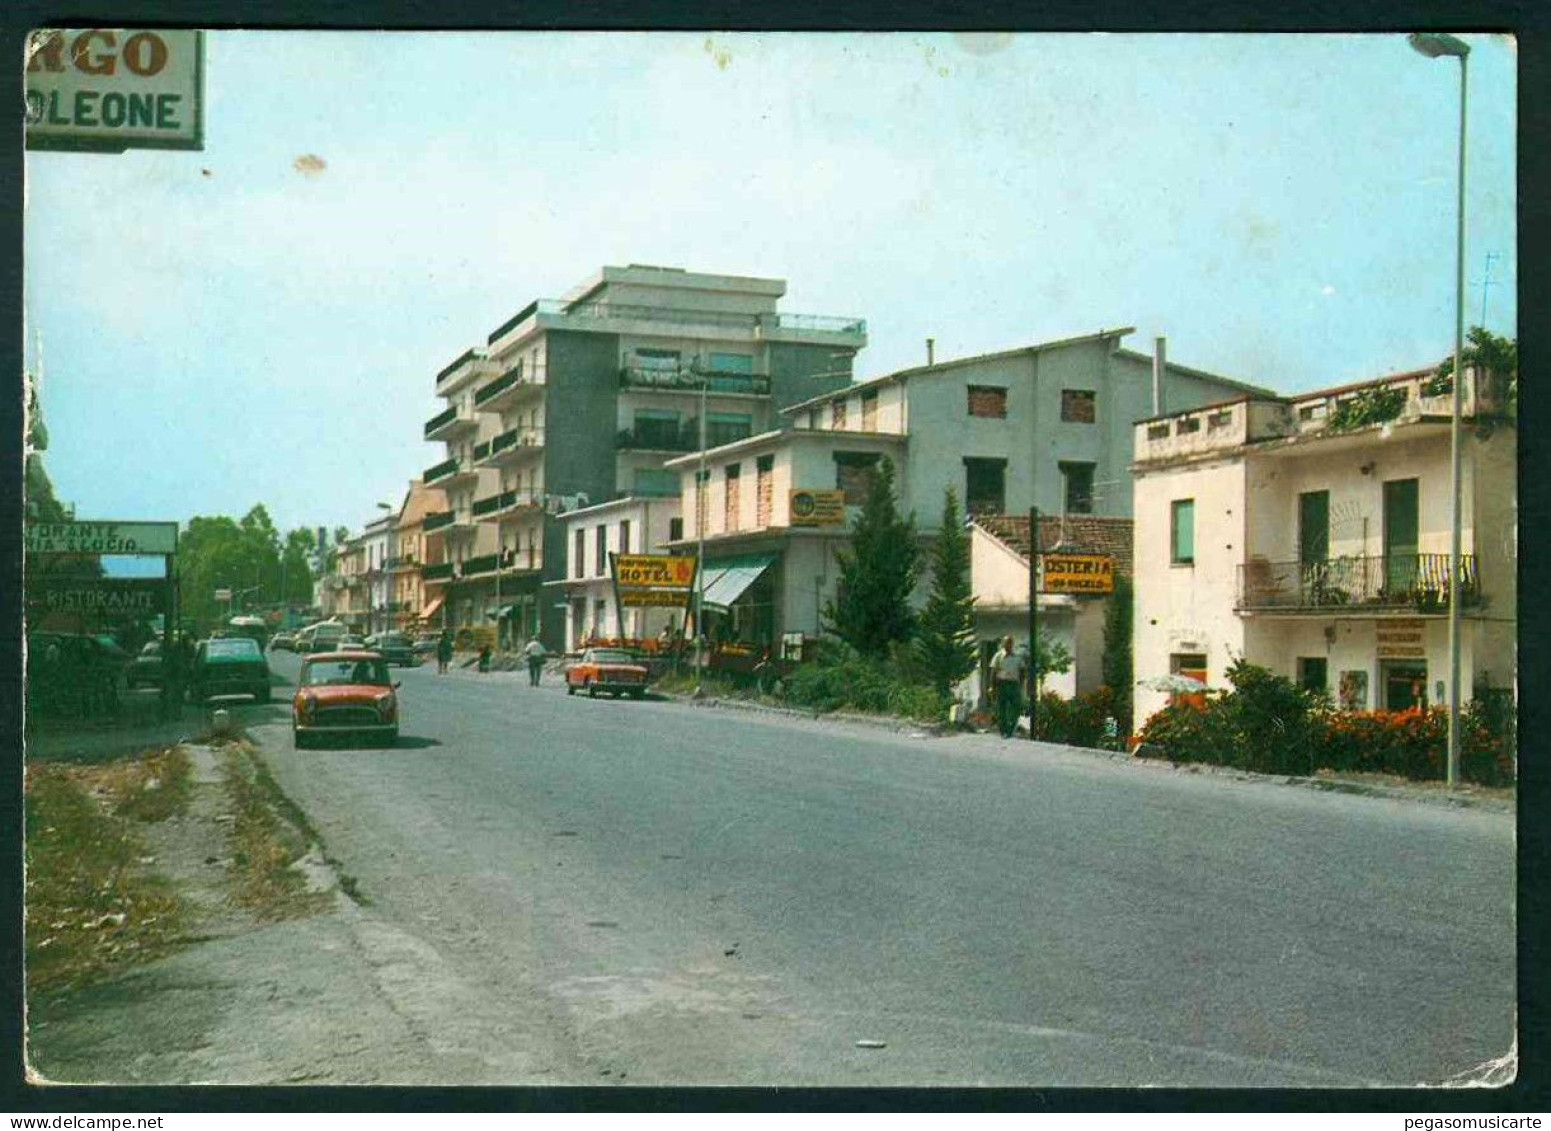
[1182, 532]
[988, 401]
[1077, 406]
[985, 485]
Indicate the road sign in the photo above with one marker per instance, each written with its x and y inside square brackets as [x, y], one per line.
[107, 90]
[101, 538]
[1078, 573]
[817, 508]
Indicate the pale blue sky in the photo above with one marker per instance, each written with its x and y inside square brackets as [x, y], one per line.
[220, 329]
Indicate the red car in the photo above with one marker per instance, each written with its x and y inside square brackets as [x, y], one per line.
[610, 670]
[348, 693]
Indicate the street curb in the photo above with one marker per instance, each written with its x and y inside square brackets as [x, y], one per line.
[1436, 798]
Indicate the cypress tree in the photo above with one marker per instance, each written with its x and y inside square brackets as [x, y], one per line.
[945, 643]
[871, 609]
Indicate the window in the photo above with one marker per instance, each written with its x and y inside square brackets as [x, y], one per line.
[657, 359]
[656, 481]
[1182, 532]
[764, 490]
[985, 483]
[853, 475]
[1313, 673]
[1157, 431]
[732, 363]
[726, 427]
[1079, 487]
[1077, 406]
[1313, 527]
[702, 501]
[624, 536]
[675, 530]
[657, 428]
[870, 410]
[1191, 665]
[1315, 411]
[1188, 425]
[600, 562]
[837, 415]
[988, 401]
[733, 474]
[578, 554]
[1219, 420]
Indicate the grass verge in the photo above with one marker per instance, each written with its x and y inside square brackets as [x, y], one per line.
[265, 848]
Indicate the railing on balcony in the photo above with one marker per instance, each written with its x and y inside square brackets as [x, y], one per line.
[672, 438]
[438, 520]
[646, 377]
[442, 571]
[485, 563]
[441, 470]
[495, 388]
[1417, 582]
[466, 356]
[492, 503]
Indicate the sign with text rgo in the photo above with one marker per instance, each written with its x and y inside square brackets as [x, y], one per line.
[654, 580]
[107, 90]
[1078, 573]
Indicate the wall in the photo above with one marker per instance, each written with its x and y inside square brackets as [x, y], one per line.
[792, 375]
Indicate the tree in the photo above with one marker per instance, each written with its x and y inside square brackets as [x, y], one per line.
[1116, 662]
[296, 567]
[1051, 657]
[945, 639]
[871, 609]
[1494, 357]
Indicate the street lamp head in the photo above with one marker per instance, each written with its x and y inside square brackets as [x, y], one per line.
[1435, 44]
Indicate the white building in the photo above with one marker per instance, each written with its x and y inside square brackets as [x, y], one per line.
[593, 535]
[1310, 535]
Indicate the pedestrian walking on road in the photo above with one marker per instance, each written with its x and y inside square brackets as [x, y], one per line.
[534, 653]
[1007, 668]
[443, 652]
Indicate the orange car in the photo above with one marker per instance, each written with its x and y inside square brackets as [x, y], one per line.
[610, 670]
[346, 693]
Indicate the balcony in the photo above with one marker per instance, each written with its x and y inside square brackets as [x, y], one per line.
[648, 379]
[507, 389]
[470, 364]
[442, 571]
[508, 447]
[450, 473]
[505, 504]
[452, 422]
[1361, 586]
[402, 564]
[577, 315]
[438, 520]
[682, 438]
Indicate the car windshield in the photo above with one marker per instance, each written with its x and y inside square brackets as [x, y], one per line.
[336, 672]
[612, 656]
[154, 648]
[232, 646]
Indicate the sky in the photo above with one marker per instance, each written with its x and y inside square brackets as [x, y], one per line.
[263, 321]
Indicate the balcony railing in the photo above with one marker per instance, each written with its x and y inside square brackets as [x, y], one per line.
[498, 386]
[442, 571]
[444, 470]
[684, 438]
[438, 520]
[512, 439]
[1418, 582]
[485, 563]
[686, 380]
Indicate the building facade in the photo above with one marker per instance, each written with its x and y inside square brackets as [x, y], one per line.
[581, 400]
[410, 607]
[1310, 535]
[593, 535]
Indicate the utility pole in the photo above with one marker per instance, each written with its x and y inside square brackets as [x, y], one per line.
[1033, 618]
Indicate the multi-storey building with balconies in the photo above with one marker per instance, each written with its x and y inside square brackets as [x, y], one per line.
[579, 400]
[410, 608]
[1310, 534]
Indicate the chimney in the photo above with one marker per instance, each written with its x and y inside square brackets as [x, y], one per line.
[1159, 367]
[931, 351]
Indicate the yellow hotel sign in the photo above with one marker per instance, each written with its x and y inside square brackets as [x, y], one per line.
[1079, 573]
[817, 508]
[654, 579]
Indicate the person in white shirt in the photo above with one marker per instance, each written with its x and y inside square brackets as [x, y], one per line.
[1007, 669]
[533, 651]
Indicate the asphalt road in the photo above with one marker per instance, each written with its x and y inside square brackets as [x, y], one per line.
[572, 891]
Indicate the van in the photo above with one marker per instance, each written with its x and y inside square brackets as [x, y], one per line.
[324, 637]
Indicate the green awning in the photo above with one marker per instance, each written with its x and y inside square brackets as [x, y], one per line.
[725, 585]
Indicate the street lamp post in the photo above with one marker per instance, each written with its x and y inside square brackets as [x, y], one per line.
[1436, 45]
[701, 513]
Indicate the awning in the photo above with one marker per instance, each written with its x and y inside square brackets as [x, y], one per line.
[432, 609]
[504, 611]
[725, 585]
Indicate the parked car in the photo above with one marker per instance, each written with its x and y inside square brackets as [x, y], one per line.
[282, 642]
[321, 637]
[145, 670]
[229, 665]
[350, 643]
[394, 647]
[426, 642]
[72, 673]
[344, 693]
[610, 670]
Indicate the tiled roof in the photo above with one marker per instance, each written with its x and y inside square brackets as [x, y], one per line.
[1077, 533]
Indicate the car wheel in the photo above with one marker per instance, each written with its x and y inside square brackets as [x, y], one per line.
[392, 739]
[570, 689]
[262, 696]
[300, 739]
[592, 690]
[637, 692]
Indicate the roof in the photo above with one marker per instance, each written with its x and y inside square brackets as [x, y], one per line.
[776, 438]
[1267, 396]
[1073, 533]
[937, 367]
[1232, 383]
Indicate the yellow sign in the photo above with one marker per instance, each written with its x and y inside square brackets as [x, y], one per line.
[1401, 639]
[655, 598]
[653, 580]
[1079, 573]
[818, 508]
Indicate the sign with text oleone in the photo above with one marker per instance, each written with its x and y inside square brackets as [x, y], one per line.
[107, 90]
[653, 580]
[1078, 573]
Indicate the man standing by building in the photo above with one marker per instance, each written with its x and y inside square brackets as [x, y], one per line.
[1007, 668]
[533, 652]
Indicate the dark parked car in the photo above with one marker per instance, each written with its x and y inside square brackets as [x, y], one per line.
[282, 642]
[394, 647]
[230, 665]
[72, 673]
[146, 669]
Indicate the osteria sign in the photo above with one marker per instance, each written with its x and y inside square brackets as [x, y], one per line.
[107, 90]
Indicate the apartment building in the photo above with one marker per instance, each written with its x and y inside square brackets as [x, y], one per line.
[1049, 423]
[580, 400]
[409, 607]
[593, 535]
[1310, 534]
[377, 540]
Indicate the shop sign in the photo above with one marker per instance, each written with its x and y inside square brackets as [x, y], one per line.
[1401, 640]
[1078, 573]
[102, 595]
[101, 538]
[653, 580]
[817, 508]
[107, 90]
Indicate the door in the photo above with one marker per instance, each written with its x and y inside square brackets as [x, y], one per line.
[1400, 536]
[1313, 539]
[1404, 684]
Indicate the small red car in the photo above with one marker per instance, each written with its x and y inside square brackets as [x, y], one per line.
[610, 670]
[347, 693]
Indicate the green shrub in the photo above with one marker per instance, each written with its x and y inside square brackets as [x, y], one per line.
[842, 678]
[1079, 721]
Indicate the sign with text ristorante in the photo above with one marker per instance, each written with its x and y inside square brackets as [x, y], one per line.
[654, 580]
[1078, 573]
[145, 596]
[101, 538]
[107, 90]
